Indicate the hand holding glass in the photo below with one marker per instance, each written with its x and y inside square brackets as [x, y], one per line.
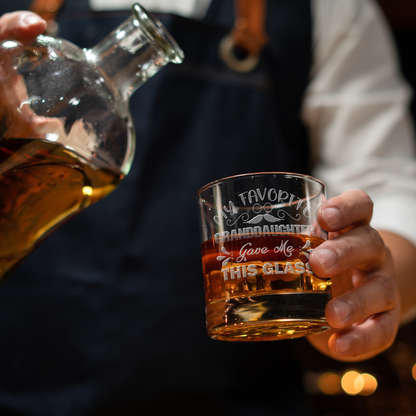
[258, 231]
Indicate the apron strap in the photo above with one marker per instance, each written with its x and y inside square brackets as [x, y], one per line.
[47, 9]
[247, 34]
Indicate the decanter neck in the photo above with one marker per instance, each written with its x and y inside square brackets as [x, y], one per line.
[135, 51]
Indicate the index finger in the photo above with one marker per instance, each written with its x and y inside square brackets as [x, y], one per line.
[21, 24]
[350, 208]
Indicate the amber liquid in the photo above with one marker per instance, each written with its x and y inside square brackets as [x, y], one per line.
[41, 185]
[262, 288]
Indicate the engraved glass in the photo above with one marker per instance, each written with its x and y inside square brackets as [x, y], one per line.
[258, 231]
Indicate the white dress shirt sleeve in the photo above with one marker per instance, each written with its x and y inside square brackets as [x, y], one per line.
[356, 109]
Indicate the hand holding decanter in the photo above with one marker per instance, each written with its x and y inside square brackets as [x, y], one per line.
[66, 135]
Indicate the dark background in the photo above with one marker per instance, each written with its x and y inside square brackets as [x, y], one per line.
[396, 391]
[401, 15]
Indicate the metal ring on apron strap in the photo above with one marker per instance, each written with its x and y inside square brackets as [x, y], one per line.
[226, 52]
[247, 33]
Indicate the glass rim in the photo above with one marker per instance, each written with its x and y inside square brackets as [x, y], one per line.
[259, 174]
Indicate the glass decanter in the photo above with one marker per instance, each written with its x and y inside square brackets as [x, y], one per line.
[66, 135]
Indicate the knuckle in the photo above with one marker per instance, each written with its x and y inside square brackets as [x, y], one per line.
[367, 201]
[375, 239]
[344, 250]
[361, 343]
[376, 242]
[388, 290]
[365, 205]
[386, 330]
[382, 335]
[359, 304]
[366, 342]
[377, 337]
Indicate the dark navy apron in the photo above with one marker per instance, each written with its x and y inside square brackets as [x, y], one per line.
[106, 317]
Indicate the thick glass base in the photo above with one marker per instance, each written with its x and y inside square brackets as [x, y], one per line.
[268, 317]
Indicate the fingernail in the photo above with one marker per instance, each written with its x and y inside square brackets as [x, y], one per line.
[332, 216]
[342, 310]
[325, 258]
[31, 19]
[342, 345]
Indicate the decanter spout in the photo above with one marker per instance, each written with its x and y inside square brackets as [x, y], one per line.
[135, 51]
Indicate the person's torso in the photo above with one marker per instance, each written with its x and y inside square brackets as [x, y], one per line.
[106, 316]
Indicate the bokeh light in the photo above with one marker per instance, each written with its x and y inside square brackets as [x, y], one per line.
[369, 384]
[348, 383]
[87, 190]
[329, 383]
[354, 383]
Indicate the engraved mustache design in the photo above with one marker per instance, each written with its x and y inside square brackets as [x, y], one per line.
[260, 217]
